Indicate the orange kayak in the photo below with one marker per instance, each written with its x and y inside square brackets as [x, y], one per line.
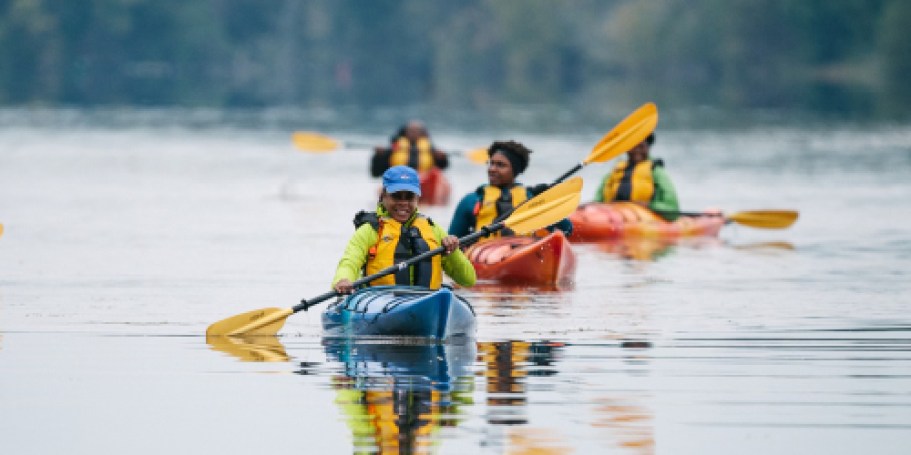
[597, 221]
[525, 260]
[435, 188]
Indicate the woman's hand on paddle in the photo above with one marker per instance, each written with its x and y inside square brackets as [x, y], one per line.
[344, 286]
[450, 242]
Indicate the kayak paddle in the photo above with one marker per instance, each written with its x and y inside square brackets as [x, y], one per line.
[763, 219]
[542, 210]
[319, 143]
[632, 130]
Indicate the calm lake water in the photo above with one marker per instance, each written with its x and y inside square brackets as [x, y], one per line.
[121, 244]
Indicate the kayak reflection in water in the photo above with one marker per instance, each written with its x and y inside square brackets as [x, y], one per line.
[643, 180]
[395, 398]
[397, 232]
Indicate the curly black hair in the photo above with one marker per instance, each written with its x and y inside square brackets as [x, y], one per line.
[514, 151]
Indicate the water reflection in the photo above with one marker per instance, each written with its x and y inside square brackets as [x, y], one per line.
[522, 291]
[395, 398]
[654, 249]
[640, 249]
[506, 365]
[250, 349]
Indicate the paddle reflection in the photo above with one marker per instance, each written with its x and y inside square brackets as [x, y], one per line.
[395, 397]
[627, 418]
[250, 349]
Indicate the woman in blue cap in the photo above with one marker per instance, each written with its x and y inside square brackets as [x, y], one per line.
[396, 232]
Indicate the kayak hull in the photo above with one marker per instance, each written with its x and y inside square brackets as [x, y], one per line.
[435, 188]
[596, 222]
[525, 260]
[401, 311]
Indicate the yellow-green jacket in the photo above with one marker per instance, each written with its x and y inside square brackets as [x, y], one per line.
[351, 265]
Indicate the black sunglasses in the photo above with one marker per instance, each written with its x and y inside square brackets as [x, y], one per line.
[403, 196]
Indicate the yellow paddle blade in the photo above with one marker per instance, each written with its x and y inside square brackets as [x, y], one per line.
[313, 142]
[250, 349]
[1, 228]
[477, 156]
[765, 219]
[265, 321]
[632, 130]
[546, 208]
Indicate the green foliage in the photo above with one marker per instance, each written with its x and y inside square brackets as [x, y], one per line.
[470, 53]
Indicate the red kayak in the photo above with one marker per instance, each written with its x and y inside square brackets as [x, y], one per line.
[598, 221]
[435, 188]
[525, 260]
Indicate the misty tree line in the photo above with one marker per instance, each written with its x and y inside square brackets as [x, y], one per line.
[466, 53]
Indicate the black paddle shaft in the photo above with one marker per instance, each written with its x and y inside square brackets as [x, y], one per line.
[468, 239]
[567, 174]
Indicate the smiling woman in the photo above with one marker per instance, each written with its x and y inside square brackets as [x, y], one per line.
[397, 232]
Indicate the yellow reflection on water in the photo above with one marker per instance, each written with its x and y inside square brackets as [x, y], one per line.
[250, 349]
[398, 398]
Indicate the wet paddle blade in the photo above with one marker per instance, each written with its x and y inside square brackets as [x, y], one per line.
[765, 219]
[546, 208]
[632, 130]
[265, 321]
[313, 142]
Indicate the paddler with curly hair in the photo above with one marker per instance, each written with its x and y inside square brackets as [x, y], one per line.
[397, 232]
[502, 193]
[642, 180]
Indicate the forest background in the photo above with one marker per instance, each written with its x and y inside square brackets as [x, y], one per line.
[843, 58]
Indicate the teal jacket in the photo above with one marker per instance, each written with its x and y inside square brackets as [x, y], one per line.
[351, 266]
[464, 219]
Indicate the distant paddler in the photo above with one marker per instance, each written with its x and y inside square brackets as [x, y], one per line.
[643, 180]
[409, 146]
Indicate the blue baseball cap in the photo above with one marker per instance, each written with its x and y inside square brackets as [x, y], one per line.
[401, 178]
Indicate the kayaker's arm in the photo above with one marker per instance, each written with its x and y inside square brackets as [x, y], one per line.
[456, 265]
[440, 159]
[599, 195]
[665, 199]
[463, 219]
[351, 265]
[379, 162]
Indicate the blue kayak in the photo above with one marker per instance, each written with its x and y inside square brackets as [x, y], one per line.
[405, 311]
